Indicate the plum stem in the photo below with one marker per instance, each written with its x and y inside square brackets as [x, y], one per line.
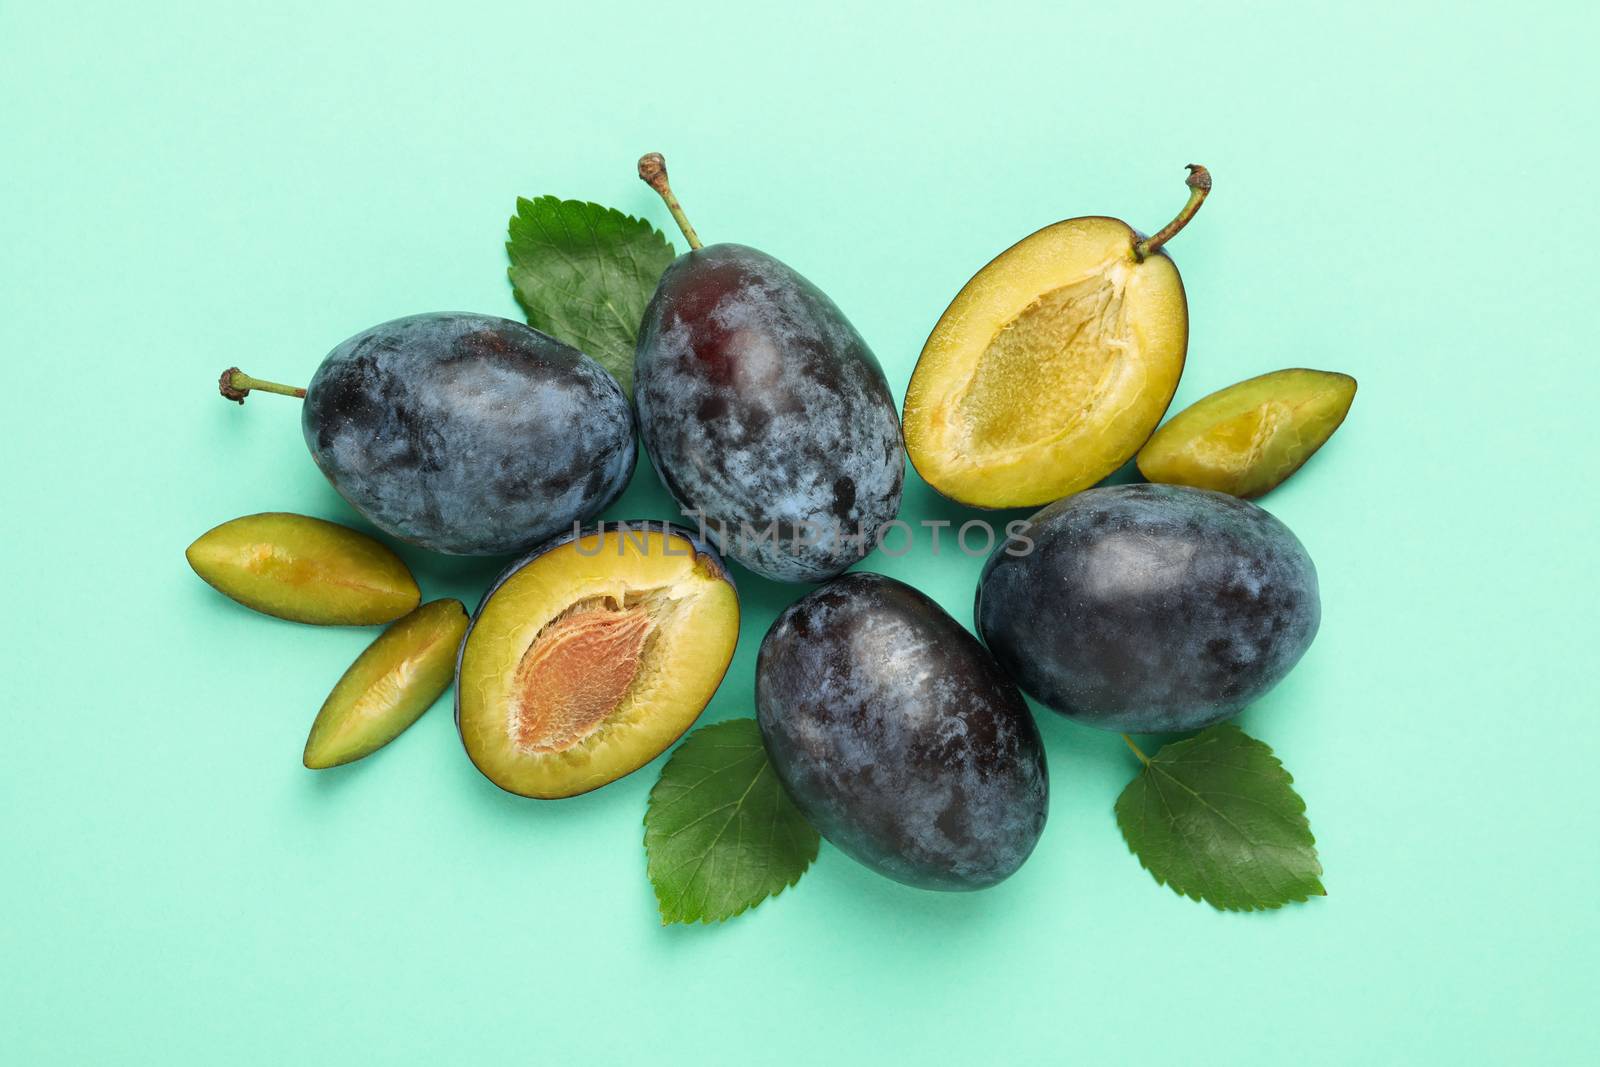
[1142, 757]
[1199, 183]
[235, 385]
[653, 172]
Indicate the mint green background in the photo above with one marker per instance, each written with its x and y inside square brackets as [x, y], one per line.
[1402, 193]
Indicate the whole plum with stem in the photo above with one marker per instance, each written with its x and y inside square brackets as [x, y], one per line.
[466, 434]
[764, 412]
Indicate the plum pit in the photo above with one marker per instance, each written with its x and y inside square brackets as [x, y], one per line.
[578, 671]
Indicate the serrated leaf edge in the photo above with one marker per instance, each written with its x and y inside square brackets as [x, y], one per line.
[1196, 895]
[707, 920]
[524, 220]
[526, 224]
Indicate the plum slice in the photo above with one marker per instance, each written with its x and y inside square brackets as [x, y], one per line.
[592, 655]
[305, 570]
[1053, 364]
[389, 685]
[1245, 440]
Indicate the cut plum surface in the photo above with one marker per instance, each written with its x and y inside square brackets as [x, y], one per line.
[1246, 439]
[389, 686]
[592, 655]
[305, 570]
[1052, 365]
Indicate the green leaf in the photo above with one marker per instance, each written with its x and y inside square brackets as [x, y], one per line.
[1215, 818]
[721, 834]
[583, 273]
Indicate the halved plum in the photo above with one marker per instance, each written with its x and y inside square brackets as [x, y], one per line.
[592, 655]
[1053, 364]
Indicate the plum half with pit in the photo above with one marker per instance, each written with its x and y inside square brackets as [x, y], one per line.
[592, 655]
[764, 412]
[898, 736]
[467, 434]
[1149, 608]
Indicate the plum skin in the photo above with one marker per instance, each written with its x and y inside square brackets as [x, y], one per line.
[760, 404]
[468, 434]
[899, 737]
[1150, 608]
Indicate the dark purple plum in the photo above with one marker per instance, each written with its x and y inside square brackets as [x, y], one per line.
[1149, 608]
[763, 409]
[899, 737]
[466, 434]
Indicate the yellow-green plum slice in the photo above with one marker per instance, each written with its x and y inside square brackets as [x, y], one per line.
[592, 655]
[1246, 439]
[305, 570]
[1053, 364]
[389, 686]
